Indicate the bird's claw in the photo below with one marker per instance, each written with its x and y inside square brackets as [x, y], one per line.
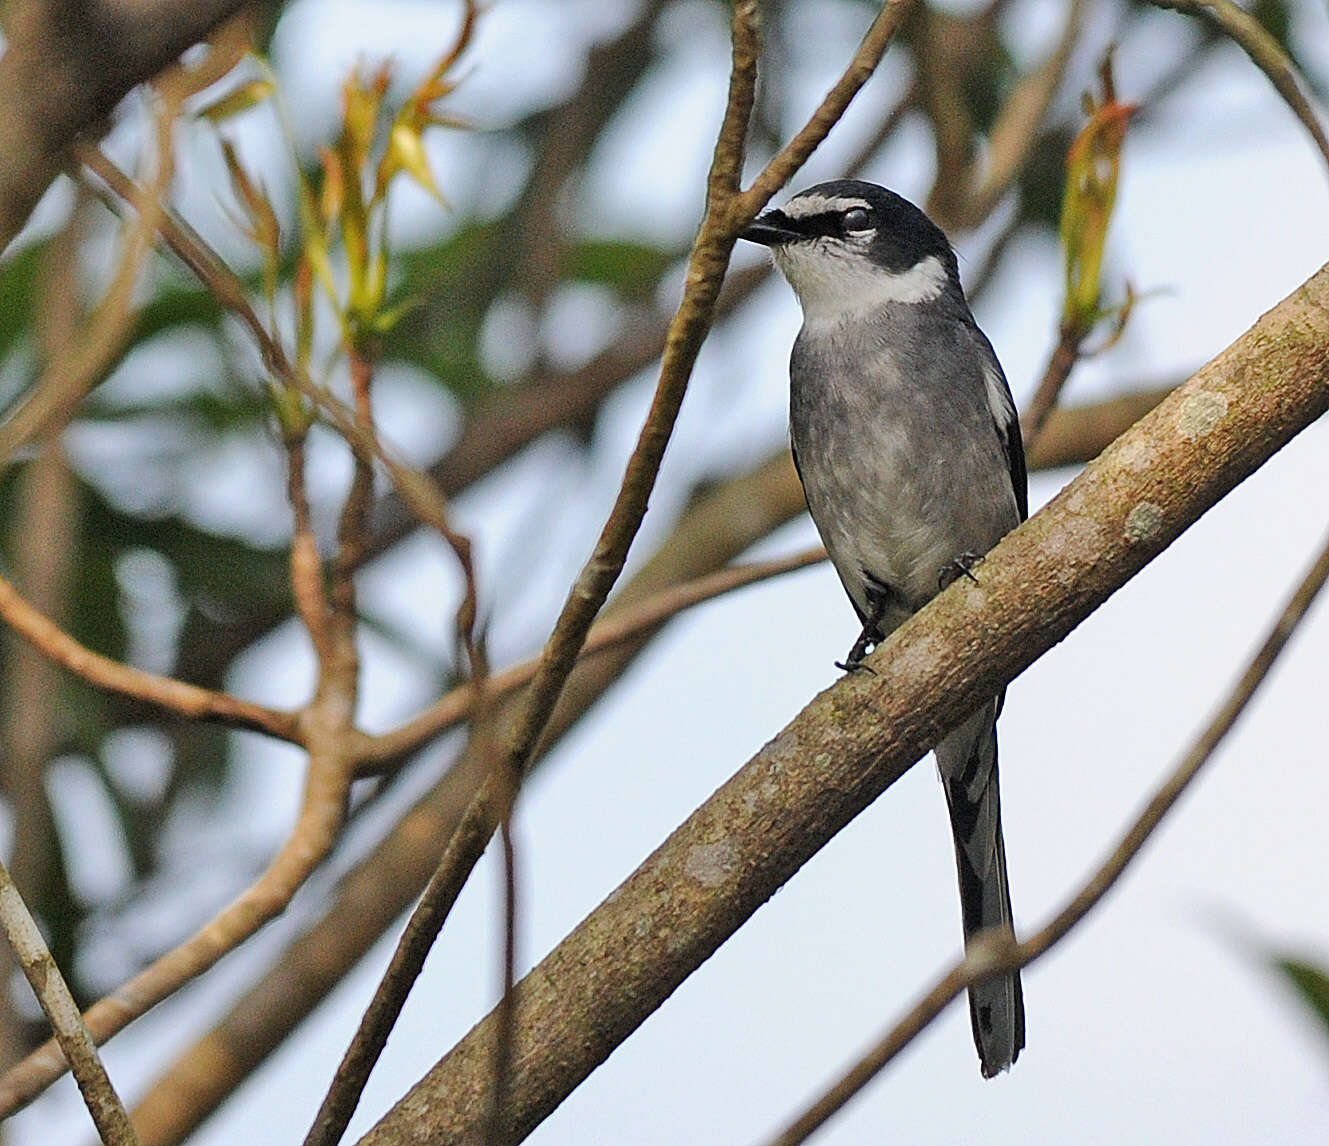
[961, 565]
[868, 640]
[855, 666]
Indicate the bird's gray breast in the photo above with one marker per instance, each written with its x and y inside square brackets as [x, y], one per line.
[900, 456]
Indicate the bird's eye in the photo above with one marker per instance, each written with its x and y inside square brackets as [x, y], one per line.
[856, 219]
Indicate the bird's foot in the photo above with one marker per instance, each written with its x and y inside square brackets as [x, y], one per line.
[961, 565]
[867, 641]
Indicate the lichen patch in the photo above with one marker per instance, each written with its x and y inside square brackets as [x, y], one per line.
[1200, 413]
[1143, 522]
[710, 864]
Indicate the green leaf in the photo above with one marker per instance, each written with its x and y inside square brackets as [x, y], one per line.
[1311, 983]
[633, 269]
[205, 411]
[18, 288]
[241, 99]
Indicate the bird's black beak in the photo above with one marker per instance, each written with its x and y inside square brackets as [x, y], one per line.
[770, 229]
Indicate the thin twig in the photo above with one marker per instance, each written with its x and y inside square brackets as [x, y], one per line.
[1264, 52]
[996, 953]
[1015, 131]
[108, 1114]
[795, 153]
[454, 707]
[162, 692]
[506, 1003]
[492, 803]
[1060, 364]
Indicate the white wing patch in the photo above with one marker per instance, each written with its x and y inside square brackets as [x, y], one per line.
[999, 400]
[805, 205]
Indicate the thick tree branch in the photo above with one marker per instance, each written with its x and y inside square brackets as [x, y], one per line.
[66, 67]
[859, 736]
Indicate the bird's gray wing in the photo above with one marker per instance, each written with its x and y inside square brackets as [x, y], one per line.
[1007, 421]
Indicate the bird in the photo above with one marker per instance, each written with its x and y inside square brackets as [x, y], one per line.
[907, 442]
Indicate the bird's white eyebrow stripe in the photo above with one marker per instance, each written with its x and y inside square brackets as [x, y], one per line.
[806, 205]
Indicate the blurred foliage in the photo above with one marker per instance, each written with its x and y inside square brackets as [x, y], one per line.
[18, 288]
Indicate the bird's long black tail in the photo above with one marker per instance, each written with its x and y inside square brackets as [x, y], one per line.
[967, 759]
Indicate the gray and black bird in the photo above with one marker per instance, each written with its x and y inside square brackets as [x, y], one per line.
[908, 446]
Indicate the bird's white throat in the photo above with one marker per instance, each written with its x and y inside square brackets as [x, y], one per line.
[835, 283]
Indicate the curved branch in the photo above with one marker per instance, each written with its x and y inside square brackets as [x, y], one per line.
[161, 692]
[855, 739]
[1264, 52]
[321, 816]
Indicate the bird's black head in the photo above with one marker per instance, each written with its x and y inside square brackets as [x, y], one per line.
[898, 234]
[847, 243]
